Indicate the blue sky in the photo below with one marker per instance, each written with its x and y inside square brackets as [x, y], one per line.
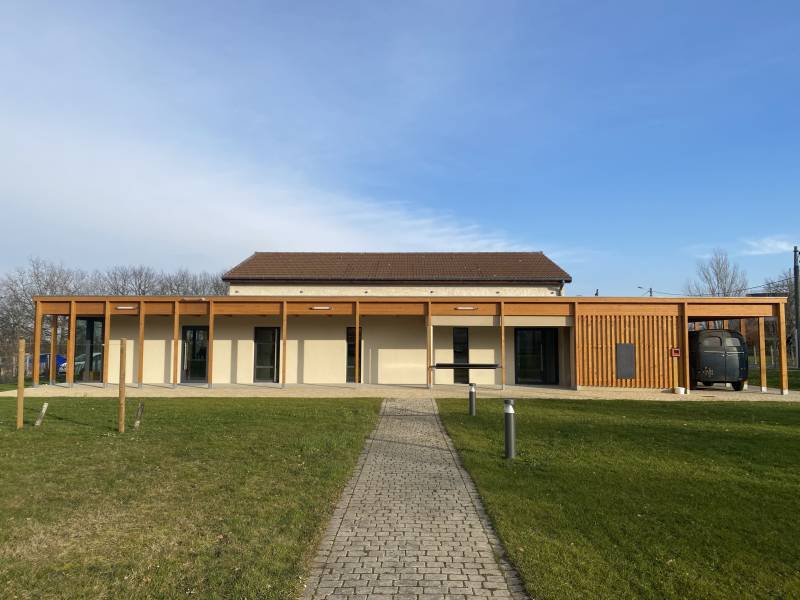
[625, 139]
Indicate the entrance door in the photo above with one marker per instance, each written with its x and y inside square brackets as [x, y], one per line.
[536, 355]
[460, 353]
[195, 354]
[266, 354]
[88, 349]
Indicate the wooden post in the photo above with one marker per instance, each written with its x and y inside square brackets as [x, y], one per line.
[53, 348]
[140, 343]
[687, 374]
[20, 382]
[283, 359]
[578, 334]
[106, 339]
[743, 331]
[784, 366]
[428, 347]
[210, 365]
[762, 354]
[71, 344]
[37, 342]
[502, 346]
[123, 350]
[357, 374]
[175, 340]
[726, 324]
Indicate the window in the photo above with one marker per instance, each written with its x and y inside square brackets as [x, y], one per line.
[351, 356]
[734, 342]
[712, 340]
[460, 353]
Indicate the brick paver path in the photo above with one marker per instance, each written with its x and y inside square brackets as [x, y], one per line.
[410, 524]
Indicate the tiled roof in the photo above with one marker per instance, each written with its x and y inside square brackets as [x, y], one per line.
[444, 267]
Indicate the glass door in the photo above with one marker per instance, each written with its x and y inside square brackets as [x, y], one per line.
[88, 349]
[266, 354]
[536, 356]
[195, 354]
[460, 353]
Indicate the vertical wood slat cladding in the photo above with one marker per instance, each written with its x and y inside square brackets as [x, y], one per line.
[652, 336]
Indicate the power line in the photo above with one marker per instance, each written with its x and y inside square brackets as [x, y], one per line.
[747, 289]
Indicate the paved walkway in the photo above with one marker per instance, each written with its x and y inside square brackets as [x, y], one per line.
[410, 523]
[395, 391]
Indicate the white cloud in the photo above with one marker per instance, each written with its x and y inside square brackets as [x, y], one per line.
[776, 244]
[91, 200]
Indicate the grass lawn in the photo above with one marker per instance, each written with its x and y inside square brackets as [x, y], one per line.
[625, 499]
[221, 498]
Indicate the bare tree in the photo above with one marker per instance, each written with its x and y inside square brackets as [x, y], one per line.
[783, 285]
[43, 278]
[17, 288]
[718, 276]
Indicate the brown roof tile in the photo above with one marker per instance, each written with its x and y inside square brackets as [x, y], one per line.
[512, 267]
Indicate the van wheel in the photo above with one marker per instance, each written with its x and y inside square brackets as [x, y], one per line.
[738, 386]
[708, 383]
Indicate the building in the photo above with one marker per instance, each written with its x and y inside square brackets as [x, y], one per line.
[393, 318]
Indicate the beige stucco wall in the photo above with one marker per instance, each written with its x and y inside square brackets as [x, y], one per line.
[394, 350]
[389, 290]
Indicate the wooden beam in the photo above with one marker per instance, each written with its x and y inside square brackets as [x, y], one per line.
[502, 345]
[106, 339]
[175, 340]
[140, 363]
[684, 337]
[20, 382]
[37, 341]
[71, 345]
[210, 365]
[762, 354]
[283, 358]
[428, 346]
[783, 359]
[53, 348]
[357, 374]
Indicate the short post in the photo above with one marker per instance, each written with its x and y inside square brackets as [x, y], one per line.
[510, 432]
[139, 413]
[122, 376]
[20, 382]
[472, 398]
[40, 418]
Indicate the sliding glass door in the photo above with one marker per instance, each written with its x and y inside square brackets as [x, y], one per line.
[88, 349]
[195, 354]
[267, 344]
[536, 355]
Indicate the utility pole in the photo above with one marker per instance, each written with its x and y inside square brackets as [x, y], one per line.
[796, 305]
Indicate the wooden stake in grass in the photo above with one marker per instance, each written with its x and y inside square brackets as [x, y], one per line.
[121, 412]
[21, 382]
[40, 418]
[139, 413]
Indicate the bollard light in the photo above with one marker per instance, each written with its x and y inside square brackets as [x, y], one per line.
[473, 392]
[510, 433]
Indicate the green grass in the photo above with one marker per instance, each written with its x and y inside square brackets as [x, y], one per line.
[222, 498]
[616, 499]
